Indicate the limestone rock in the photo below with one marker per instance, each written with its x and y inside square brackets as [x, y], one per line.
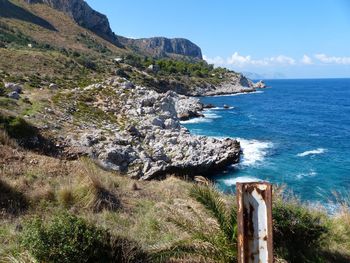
[14, 95]
[13, 87]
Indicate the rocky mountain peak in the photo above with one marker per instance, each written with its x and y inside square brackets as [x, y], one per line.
[84, 16]
[163, 47]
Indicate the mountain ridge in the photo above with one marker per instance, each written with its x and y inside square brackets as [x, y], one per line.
[87, 17]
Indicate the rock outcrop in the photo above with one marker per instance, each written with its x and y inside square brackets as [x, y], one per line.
[164, 47]
[84, 16]
[151, 142]
[233, 84]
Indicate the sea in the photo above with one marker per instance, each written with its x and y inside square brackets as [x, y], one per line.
[295, 133]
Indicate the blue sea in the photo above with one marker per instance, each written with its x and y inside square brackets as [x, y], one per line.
[295, 133]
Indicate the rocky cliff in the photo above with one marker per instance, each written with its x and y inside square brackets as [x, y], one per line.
[83, 15]
[98, 23]
[164, 47]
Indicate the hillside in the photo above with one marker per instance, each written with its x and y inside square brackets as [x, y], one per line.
[98, 23]
[95, 165]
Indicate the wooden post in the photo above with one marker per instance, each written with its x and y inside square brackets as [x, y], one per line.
[254, 202]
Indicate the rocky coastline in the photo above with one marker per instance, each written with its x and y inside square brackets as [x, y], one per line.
[151, 143]
[136, 131]
[236, 83]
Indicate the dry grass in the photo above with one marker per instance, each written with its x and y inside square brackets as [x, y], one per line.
[91, 194]
[65, 196]
[6, 140]
[24, 257]
[12, 201]
[134, 210]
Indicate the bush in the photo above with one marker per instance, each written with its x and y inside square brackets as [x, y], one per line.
[299, 233]
[123, 250]
[65, 239]
[87, 62]
[12, 202]
[17, 128]
[68, 238]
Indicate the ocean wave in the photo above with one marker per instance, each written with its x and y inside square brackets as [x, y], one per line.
[310, 173]
[196, 120]
[254, 151]
[312, 152]
[209, 116]
[240, 179]
[239, 93]
[222, 108]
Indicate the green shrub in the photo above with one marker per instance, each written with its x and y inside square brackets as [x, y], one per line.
[17, 127]
[12, 202]
[65, 239]
[124, 250]
[299, 233]
[87, 62]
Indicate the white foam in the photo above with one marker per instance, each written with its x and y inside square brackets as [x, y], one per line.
[311, 173]
[240, 179]
[239, 93]
[312, 152]
[254, 151]
[209, 116]
[222, 108]
[197, 120]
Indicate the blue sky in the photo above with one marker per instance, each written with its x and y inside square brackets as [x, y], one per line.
[299, 39]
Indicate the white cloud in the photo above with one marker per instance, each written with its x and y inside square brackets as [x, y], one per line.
[242, 61]
[216, 60]
[239, 60]
[281, 59]
[306, 60]
[332, 59]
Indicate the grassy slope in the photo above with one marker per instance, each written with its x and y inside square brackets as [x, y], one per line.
[143, 211]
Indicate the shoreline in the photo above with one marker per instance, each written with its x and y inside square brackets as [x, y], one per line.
[151, 143]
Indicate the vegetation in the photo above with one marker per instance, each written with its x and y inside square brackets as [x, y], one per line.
[65, 239]
[170, 220]
[300, 233]
[293, 221]
[17, 127]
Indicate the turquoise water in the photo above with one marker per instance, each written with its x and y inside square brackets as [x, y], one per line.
[296, 133]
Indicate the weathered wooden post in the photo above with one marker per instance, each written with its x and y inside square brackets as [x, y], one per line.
[254, 202]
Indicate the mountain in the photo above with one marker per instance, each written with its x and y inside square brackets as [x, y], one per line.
[98, 23]
[163, 47]
[273, 75]
[84, 15]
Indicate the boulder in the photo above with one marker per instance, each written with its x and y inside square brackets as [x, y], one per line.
[53, 86]
[13, 87]
[260, 85]
[158, 122]
[208, 106]
[171, 124]
[14, 95]
[127, 85]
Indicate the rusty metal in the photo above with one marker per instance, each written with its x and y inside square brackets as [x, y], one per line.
[254, 218]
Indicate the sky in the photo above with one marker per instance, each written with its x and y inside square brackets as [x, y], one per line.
[291, 38]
